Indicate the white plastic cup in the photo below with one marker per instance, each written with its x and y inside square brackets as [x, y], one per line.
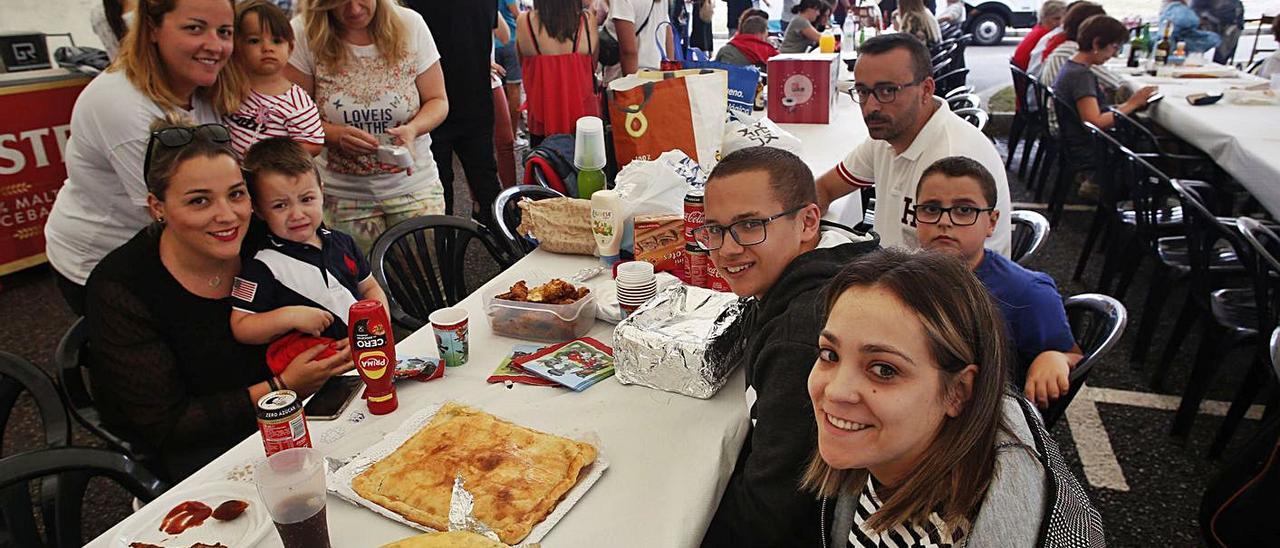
[588, 144]
[635, 273]
[291, 484]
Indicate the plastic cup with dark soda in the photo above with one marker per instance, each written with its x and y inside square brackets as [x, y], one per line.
[291, 485]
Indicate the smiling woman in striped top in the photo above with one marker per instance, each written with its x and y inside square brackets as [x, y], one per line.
[920, 440]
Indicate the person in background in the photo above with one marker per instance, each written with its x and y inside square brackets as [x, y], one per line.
[920, 442]
[702, 13]
[110, 20]
[750, 46]
[635, 24]
[1051, 13]
[909, 129]
[801, 34]
[167, 373]
[1077, 84]
[736, 8]
[1225, 17]
[840, 12]
[272, 106]
[174, 61]
[557, 42]
[955, 213]
[1047, 43]
[1186, 27]
[762, 232]
[787, 12]
[953, 13]
[504, 137]
[753, 12]
[913, 19]
[1064, 50]
[1271, 65]
[512, 76]
[464, 35]
[373, 69]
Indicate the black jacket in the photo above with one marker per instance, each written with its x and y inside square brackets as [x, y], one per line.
[777, 342]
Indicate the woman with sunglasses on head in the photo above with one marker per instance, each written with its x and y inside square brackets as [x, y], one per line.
[920, 441]
[172, 60]
[167, 373]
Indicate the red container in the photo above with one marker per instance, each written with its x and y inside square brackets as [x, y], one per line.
[694, 214]
[714, 280]
[373, 349]
[696, 261]
[802, 87]
[281, 421]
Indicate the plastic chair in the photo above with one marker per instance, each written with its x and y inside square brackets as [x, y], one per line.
[506, 214]
[959, 101]
[975, 116]
[1097, 321]
[17, 375]
[419, 263]
[70, 359]
[1030, 232]
[69, 469]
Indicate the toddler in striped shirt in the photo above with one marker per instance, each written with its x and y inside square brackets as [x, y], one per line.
[273, 106]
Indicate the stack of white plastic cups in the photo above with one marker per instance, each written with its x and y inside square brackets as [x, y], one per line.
[636, 285]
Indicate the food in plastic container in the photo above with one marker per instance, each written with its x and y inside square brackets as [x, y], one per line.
[539, 321]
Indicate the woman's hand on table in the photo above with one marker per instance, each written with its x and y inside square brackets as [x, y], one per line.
[353, 140]
[1140, 97]
[306, 374]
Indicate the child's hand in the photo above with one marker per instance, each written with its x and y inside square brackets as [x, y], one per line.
[311, 321]
[1047, 378]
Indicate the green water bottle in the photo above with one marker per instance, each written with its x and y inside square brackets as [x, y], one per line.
[589, 156]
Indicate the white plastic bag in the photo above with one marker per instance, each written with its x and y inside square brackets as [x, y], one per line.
[656, 187]
[741, 132]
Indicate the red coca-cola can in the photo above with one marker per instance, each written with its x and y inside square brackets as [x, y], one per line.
[696, 261]
[281, 421]
[714, 280]
[694, 214]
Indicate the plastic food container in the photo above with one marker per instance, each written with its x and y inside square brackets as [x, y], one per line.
[537, 321]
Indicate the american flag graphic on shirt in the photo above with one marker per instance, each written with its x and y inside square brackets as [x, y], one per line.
[243, 289]
[292, 114]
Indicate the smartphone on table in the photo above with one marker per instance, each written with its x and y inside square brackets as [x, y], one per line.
[333, 398]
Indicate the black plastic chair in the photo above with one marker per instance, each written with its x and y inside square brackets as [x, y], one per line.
[420, 264]
[506, 214]
[1030, 232]
[70, 469]
[1029, 122]
[1097, 322]
[975, 116]
[17, 375]
[71, 363]
[959, 101]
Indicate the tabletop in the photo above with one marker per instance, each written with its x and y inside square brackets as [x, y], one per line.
[1240, 138]
[669, 455]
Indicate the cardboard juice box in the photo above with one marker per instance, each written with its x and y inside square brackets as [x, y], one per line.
[802, 87]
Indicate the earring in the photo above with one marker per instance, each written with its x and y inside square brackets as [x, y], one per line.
[160, 220]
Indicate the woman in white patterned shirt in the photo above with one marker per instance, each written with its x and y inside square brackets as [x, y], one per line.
[920, 441]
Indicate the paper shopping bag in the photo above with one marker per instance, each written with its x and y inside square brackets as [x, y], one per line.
[682, 110]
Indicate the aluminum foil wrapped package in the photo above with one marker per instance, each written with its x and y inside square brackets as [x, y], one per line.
[663, 344]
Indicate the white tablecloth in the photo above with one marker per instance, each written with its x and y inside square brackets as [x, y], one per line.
[1242, 139]
[669, 455]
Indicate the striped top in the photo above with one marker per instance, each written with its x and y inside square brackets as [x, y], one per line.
[937, 534]
[291, 114]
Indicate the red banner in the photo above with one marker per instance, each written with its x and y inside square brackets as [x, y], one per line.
[33, 138]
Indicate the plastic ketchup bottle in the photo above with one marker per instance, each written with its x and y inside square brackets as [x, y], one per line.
[373, 348]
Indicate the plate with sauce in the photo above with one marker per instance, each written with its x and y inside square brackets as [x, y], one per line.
[192, 516]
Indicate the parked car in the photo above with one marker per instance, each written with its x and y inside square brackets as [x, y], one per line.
[987, 19]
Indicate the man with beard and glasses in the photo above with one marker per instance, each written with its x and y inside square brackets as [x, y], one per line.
[910, 129]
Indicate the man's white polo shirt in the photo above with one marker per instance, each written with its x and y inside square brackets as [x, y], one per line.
[895, 176]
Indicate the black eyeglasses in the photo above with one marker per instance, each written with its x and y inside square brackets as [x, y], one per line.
[746, 232]
[961, 215]
[885, 93]
[174, 137]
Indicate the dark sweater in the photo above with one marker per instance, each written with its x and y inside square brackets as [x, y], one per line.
[763, 504]
[166, 371]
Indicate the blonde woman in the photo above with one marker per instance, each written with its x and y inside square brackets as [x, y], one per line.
[374, 71]
[173, 60]
[919, 439]
[912, 18]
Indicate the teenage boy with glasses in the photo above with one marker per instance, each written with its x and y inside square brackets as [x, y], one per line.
[954, 214]
[909, 128]
[762, 232]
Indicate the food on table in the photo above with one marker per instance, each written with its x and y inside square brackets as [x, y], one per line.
[556, 291]
[516, 474]
[184, 516]
[203, 545]
[229, 510]
[451, 539]
[143, 545]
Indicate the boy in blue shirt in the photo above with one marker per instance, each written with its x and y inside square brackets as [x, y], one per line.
[955, 212]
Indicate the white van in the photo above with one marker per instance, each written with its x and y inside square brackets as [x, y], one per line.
[987, 19]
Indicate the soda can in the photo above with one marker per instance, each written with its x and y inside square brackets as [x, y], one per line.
[714, 280]
[696, 261]
[694, 214]
[281, 421]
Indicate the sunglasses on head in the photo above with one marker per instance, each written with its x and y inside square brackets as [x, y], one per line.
[176, 137]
